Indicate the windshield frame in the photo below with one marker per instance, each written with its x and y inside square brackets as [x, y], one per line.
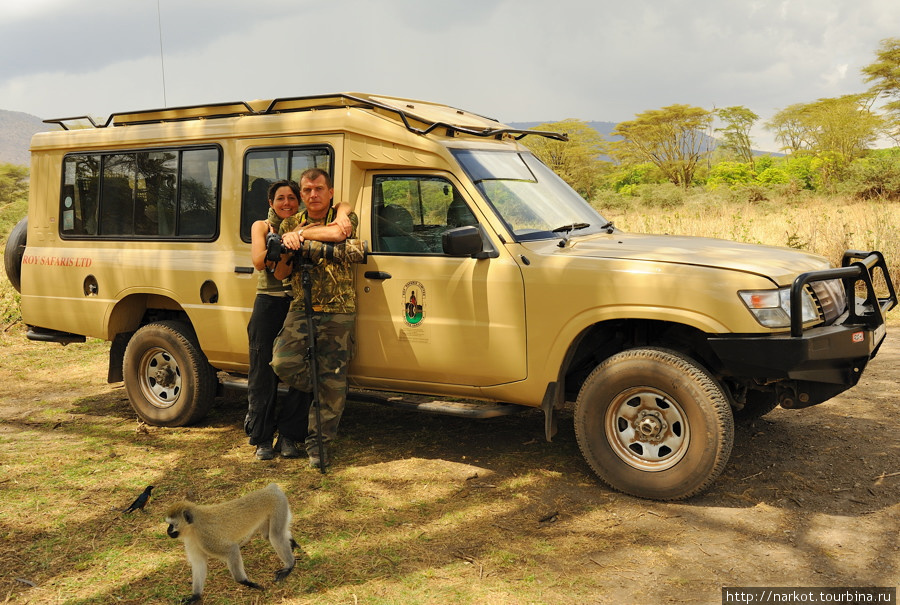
[531, 200]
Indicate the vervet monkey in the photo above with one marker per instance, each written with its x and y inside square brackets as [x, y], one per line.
[219, 530]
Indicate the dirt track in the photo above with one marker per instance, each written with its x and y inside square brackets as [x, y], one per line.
[491, 513]
[810, 498]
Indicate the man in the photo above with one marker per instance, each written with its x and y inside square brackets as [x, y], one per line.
[334, 312]
[273, 298]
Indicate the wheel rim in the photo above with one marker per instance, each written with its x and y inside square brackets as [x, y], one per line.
[160, 378]
[647, 429]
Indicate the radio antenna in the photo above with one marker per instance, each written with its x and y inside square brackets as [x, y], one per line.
[162, 62]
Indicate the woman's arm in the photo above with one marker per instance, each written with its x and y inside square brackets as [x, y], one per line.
[258, 232]
[342, 218]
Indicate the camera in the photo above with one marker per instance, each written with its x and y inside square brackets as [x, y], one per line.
[274, 247]
[313, 252]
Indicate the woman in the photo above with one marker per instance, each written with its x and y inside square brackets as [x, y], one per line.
[273, 298]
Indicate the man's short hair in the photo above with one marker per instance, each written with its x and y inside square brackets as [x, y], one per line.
[314, 173]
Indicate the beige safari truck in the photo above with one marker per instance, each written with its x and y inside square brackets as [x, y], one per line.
[489, 285]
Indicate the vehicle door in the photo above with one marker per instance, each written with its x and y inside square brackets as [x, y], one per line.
[425, 316]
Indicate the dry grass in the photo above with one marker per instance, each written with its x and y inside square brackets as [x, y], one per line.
[425, 509]
[432, 510]
[824, 225]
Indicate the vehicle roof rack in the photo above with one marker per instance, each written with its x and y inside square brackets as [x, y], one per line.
[419, 117]
[170, 114]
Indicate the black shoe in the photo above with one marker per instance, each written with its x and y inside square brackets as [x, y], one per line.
[288, 448]
[314, 461]
[264, 451]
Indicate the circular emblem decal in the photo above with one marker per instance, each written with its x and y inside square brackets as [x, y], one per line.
[413, 303]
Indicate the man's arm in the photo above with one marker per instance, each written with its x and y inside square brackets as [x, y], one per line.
[331, 232]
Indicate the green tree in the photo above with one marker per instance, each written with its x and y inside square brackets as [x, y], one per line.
[885, 74]
[672, 138]
[577, 161]
[736, 132]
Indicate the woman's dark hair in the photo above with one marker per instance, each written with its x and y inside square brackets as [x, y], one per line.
[274, 187]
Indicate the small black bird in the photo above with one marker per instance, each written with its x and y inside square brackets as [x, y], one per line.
[140, 501]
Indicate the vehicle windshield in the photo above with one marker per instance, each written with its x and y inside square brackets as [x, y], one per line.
[530, 198]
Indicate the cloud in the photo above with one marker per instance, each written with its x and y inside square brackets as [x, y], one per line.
[514, 60]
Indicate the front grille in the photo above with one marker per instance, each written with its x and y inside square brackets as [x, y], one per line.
[831, 298]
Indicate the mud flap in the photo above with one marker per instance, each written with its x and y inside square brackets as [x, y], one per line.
[552, 401]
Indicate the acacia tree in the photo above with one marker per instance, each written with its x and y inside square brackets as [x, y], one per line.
[841, 126]
[885, 73]
[672, 138]
[736, 133]
[576, 161]
[845, 125]
[791, 128]
[13, 183]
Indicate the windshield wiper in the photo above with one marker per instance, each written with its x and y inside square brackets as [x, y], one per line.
[571, 227]
[566, 229]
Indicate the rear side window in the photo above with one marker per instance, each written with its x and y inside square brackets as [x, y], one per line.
[262, 167]
[168, 193]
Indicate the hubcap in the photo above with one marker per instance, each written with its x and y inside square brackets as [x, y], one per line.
[160, 378]
[647, 429]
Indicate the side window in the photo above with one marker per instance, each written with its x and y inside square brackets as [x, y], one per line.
[411, 213]
[198, 193]
[262, 167]
[145, 194]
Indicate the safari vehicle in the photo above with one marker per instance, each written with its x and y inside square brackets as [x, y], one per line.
[487, 279]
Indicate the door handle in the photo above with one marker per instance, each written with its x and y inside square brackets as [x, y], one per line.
[377, 275]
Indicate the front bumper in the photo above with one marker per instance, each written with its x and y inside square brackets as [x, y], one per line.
[831, 356]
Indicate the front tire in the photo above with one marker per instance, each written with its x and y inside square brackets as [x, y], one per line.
[167, 377]
[654, 424]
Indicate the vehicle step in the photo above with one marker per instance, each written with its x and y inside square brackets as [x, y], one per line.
[446, 407]
[419, 403]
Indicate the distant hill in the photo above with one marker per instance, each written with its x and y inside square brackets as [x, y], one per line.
[604, 128]
[16, 129]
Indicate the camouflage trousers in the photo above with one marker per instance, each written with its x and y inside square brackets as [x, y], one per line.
[334, 346]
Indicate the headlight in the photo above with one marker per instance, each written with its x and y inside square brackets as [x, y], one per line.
[772, 308]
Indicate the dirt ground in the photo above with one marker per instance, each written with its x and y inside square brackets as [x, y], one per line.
[431, 509]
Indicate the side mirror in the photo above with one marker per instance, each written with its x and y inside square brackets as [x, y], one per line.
[462, 241]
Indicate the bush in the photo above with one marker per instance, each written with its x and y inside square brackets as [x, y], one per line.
[876, 176]
[802, 169]
[730, 174]
[773, 176]
[626, 179]
[665, 195]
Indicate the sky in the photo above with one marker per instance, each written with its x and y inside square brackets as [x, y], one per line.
[511, 60]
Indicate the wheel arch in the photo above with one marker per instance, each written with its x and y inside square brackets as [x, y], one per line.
[601, 340]
[131, 313]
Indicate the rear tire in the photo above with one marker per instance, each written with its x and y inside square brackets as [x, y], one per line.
[167, 377]
[13, 253]
[654, 424]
